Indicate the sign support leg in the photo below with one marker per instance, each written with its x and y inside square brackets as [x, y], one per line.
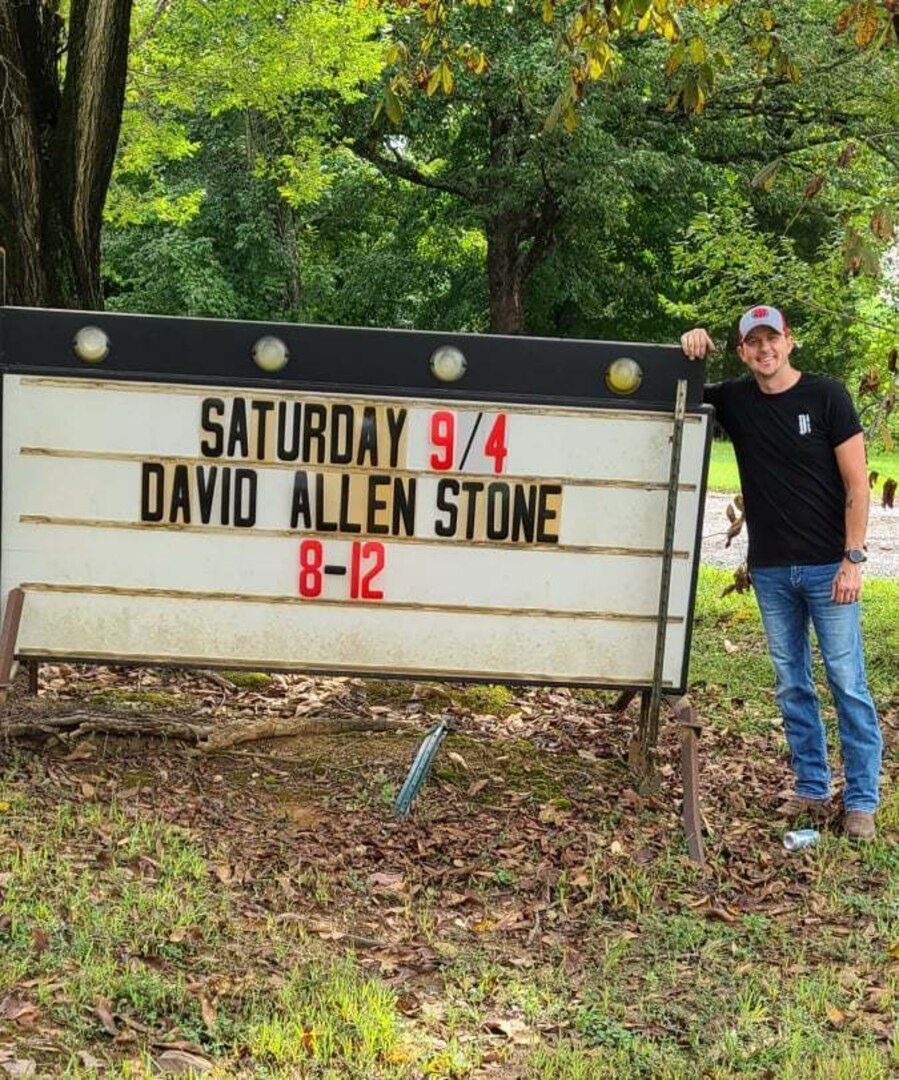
[644, 757]
[9, 633]
[689, 729]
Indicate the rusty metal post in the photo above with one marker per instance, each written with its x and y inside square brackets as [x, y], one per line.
[33, 669]
[644, 756]
[9, 633]
[636, 751]
[689, 729]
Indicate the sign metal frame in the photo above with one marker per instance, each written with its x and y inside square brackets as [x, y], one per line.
[544, 373]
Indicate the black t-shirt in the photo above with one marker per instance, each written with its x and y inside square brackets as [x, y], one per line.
[793, 493]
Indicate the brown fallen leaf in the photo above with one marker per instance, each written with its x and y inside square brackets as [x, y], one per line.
[393, 881]
[836, 1016]
[23, 1013]
[20, 1067]
[515, 1030]
[181, 1063]
[305, 818]
[207, 1011]
[457, 759]
[104, 1015]
[722, 913]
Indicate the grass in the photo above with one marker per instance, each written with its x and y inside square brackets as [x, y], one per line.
[98, 909]
[762, 964]
[723, 474]
[114, 698]
[745, 675]
[248, 680]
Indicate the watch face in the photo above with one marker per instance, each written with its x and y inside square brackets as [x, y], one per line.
[856, 556]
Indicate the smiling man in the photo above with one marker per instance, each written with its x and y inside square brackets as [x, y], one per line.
[801, 456]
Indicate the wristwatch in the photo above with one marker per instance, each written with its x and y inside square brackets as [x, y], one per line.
[855, 555]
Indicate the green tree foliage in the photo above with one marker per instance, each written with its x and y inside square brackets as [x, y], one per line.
[809, 184]
[510, 175]
[493, 126]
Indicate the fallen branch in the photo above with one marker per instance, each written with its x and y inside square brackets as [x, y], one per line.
[277, 727]
[208, 736]
[219, 680]
[69, 726]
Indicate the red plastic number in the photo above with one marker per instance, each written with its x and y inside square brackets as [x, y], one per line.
[361, 579]
[443, 437]
[495, 446]
[311, 559]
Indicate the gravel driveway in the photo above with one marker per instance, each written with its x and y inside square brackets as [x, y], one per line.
[883, 539]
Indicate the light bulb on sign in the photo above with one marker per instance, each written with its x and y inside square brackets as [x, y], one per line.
[270, 353]
[448, 363]
[91, 344]
[623, 376]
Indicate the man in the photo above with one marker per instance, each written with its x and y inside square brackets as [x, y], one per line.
[801, 457]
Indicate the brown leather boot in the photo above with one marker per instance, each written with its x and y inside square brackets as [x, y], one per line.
[797, 806]
[859, 825]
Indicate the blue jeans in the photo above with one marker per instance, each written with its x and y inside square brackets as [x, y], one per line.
[788, 596]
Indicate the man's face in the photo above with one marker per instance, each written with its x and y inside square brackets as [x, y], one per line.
[765, 351]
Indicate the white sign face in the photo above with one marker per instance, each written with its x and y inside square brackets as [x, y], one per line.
[243, 528]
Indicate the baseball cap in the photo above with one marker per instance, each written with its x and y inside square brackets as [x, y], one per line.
[763, 315]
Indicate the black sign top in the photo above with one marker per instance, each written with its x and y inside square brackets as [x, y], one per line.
[528, 370]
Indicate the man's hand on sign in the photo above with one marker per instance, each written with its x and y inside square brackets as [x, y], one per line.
[697, 344]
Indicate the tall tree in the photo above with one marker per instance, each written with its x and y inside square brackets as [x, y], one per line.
[63, 71]
[736, 92]
[62, 84]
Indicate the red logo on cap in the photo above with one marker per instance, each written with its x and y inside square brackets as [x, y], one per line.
[759, 312]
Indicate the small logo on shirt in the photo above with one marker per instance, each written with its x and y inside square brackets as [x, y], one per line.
[805, 424]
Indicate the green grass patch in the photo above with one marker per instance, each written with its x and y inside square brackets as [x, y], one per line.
[248, 680]
[743, 673]
[98, 907]
[115, 698]
[488, 698]
[478, 697]
[724, 476]
[114, 906]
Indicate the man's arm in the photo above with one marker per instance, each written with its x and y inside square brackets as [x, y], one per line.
[850, 455]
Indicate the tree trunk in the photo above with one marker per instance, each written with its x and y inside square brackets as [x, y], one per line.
[504, 276]
[58, 143]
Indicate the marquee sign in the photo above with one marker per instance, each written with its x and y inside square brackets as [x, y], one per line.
[348, 501]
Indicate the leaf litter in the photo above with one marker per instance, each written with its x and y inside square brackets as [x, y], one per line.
[528, 831]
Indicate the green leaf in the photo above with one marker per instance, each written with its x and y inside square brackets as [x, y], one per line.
[675, 60]
[765, 178]
[697, 50]
[554, 114]
[393, 107]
